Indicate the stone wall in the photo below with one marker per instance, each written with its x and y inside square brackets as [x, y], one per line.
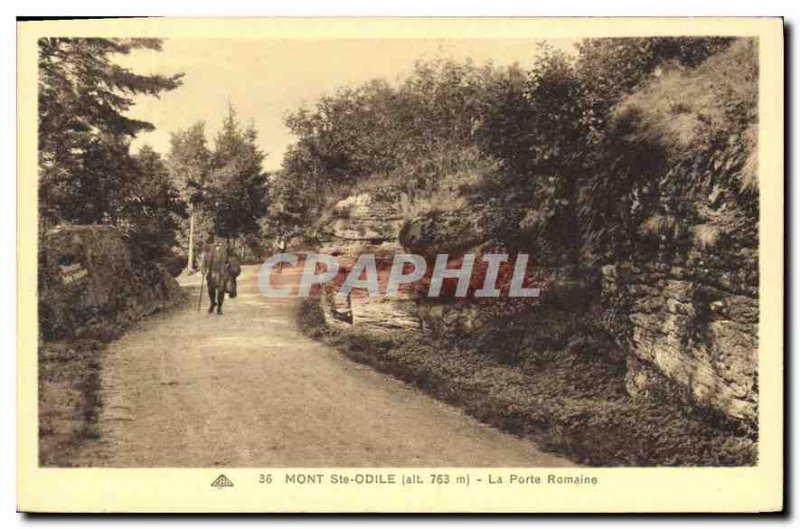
[89, 286]
[689, 300]
[690, 329]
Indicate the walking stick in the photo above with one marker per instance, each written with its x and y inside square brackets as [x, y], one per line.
[200, 299]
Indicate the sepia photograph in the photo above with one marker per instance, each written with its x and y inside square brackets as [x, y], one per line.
[292, 255]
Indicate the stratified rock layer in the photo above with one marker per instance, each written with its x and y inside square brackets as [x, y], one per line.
[363, 224]
[699, 334]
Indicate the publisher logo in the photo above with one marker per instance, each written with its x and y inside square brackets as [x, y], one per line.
[222, 481]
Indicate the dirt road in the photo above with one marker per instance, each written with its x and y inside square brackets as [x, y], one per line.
[247, 389]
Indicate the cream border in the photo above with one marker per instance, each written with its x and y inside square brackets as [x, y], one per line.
[758, 488]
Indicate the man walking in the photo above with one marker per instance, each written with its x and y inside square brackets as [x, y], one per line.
[221, 268]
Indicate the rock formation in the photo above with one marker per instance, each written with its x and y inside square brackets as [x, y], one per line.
[361, 224]
[90, 286]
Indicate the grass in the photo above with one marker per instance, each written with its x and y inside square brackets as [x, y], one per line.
[69, 398]
[685, 109]
[551, 380]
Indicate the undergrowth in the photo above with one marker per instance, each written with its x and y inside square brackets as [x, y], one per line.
[553, 380]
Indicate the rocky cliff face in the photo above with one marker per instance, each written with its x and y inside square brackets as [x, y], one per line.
[686, 330]
[679, 294]
[688, 301]
[364, 223]
[361, 223]
[689, 323]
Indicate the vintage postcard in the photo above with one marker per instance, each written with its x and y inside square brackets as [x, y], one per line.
[400, 265]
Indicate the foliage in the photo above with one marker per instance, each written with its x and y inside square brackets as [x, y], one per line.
[235, 189]
[416, 132]
[535, 132]
[548, 155]
[84, 161]
[611, 68]
[673, 158]
[189, 161]
[288, 210]
[153, 207]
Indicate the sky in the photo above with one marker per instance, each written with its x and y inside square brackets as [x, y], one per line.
[264, 79]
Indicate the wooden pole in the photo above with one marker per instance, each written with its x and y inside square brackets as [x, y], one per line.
[200, 298]
[190, 264]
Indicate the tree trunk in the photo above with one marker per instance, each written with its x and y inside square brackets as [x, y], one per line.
[190, 262]
[572, 228]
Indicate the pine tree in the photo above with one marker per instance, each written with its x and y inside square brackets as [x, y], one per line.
[237, 183]
[84, 135]
[152, 207]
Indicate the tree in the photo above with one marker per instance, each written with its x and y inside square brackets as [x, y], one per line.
[153, 206]
[237, 184]
[536, 150]
[83, 133]
[551, 128]
[189, 164]
[291, 204]
[419, 131]
[534, 130]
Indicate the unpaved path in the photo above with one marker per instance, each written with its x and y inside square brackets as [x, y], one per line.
[248, 389]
